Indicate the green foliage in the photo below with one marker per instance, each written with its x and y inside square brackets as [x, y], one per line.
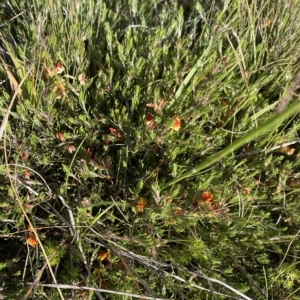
[90, 159]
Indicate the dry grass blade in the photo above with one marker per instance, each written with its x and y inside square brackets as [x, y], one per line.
[29, 88]
[13, 82]
[288, 94]
[5, 119]
[14, 59]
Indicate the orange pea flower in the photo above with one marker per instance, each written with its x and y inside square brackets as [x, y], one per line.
[103, 255]
[207, 197]
[32, 241]
[176, 124]
[141, 204]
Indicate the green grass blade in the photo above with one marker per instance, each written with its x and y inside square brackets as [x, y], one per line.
[271, 123]
[188, 78]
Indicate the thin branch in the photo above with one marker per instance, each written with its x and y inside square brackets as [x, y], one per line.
[287, 251]
[75, 287]
[265, 151]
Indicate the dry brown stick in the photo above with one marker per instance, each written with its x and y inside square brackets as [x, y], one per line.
[287, 96]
